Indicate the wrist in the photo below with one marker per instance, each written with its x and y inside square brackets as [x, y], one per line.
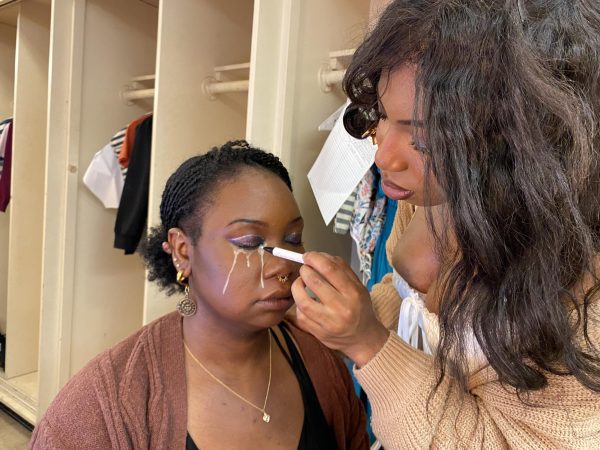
[370, 344]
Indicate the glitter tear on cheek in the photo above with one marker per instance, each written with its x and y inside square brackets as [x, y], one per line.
[261, 252]
[236, 252]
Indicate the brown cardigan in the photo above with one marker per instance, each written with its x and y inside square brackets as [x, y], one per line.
[133, 396]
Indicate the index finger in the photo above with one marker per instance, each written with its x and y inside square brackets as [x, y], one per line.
[331, 268]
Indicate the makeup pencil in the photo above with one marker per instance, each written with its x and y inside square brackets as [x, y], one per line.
[285, 254]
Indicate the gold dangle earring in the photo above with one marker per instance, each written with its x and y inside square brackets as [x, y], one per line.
[186, 306]
[372, 133]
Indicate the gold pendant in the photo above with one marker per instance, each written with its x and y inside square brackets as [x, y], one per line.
[266, 417]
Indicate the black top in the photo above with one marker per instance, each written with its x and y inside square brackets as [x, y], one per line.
[316, 432]
[133, 206]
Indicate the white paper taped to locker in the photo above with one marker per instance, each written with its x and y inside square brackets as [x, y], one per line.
[342, 163]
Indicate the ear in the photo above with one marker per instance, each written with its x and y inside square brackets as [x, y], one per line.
[180, 243]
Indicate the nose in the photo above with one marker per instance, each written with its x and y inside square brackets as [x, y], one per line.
[275, 266]
[388, 156]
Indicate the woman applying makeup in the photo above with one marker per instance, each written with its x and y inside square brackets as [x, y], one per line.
[486, 118]
[229, 373]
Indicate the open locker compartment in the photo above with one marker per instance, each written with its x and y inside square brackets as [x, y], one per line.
[93, 293]
[19, 381]
[200, 94]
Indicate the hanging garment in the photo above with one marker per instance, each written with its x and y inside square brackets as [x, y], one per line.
[367, 221]
[117, 143]
[3, 125]
[6, 144]
[133, 207]
[343, 218]
[104, 178]
[129, 141]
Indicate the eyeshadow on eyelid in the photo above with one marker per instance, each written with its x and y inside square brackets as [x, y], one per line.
[247, 240]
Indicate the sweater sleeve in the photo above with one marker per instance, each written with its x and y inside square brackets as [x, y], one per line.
[398, 382]
[76, 417]
[386, 302]
[404, 214]
[355, 425]
[44, 437]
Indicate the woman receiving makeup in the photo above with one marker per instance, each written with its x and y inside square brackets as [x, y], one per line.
[225, 371]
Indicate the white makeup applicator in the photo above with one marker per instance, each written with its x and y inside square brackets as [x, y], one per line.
[285, 254]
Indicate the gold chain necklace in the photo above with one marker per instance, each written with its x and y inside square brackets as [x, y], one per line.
[266, 417]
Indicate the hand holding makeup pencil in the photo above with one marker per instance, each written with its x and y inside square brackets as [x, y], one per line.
[343, 319]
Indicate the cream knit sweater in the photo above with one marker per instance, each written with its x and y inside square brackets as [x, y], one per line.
[399, 379]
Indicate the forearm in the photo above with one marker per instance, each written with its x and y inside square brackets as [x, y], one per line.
[398, 382]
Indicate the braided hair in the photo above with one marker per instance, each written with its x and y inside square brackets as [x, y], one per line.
[189, 191]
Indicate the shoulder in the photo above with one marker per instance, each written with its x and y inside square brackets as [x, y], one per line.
[335, 390]
[106, 393]
[139, 351]
[328, 372]
[311, 348]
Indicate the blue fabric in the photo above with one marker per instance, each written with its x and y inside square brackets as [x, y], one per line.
[361, 394]
[380, 266]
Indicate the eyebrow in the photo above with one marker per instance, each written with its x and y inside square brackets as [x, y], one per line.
[260, 222]
[412, 123]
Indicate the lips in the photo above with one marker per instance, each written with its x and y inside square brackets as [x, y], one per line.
[394, 191]
[276, 303]
[277, 295]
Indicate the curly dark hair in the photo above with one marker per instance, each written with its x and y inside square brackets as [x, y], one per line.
[509, 96]
[189, 191]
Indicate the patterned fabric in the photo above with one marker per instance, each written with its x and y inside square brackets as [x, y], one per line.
[380, 265]
[116, 143]
[343, 218]
[367, 221]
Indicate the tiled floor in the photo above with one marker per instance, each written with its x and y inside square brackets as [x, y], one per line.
[13, 436]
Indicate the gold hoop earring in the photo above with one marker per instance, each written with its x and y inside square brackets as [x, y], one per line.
[181, 277]
[186, 306]
[283, 278]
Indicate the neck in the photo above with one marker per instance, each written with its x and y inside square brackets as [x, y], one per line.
[213, 341]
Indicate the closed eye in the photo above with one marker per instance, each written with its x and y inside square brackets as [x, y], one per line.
[418, 146]
[248, 242]
[294, 239]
